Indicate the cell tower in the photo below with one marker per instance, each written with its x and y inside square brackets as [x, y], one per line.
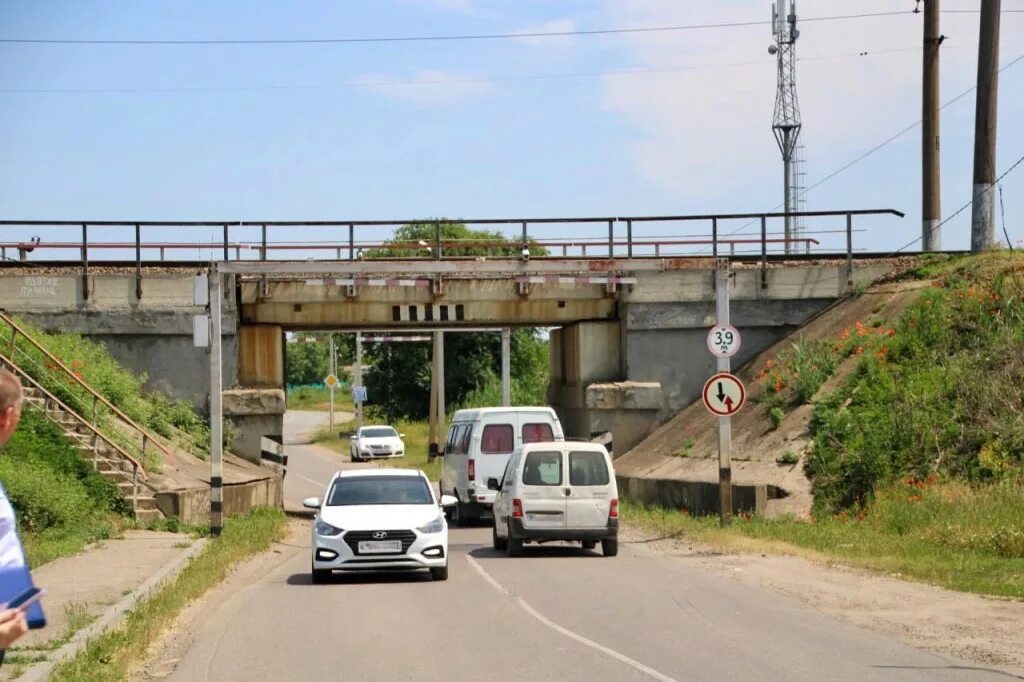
[786, 120]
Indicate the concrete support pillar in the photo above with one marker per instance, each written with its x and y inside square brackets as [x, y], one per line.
[506, 367]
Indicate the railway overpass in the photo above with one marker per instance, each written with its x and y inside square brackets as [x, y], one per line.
[628, 325]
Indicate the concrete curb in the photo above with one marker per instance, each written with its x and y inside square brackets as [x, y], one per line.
[39, 672]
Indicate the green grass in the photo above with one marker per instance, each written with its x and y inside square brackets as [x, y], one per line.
[318, 398]
[114, 655]
[958, 536]
[922, 398]
[61, 504]
[416, 446]
[92, 363]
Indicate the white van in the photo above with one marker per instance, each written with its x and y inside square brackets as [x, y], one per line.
[557, 491]
[479, 444]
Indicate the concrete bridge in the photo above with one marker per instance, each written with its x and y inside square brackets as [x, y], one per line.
[627, 348]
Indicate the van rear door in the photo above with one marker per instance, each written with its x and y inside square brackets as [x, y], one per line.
[496, 443]
[590, 489]
[542, 488]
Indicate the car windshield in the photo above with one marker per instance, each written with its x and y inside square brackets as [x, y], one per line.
[356, 490]
[381, 432]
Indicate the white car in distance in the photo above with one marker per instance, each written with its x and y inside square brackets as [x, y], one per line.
[379, 519]
[376, 442]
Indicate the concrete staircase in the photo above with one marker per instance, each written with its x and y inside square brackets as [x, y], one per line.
[104, 458]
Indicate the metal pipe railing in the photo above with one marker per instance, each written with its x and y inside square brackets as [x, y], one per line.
[137, 468]
[440, 245]
[141, 431]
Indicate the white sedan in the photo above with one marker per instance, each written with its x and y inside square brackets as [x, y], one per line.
[379, 519]
[376, 442]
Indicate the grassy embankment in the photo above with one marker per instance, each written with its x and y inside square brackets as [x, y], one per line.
[917, 460]
[60, 502]
[115, 654]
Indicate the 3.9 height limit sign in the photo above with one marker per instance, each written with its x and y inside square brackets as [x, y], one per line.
[724, 394]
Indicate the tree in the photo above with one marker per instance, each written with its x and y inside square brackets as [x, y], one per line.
[399, 381]
[308, 362]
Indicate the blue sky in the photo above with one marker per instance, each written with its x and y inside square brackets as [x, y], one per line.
[488, 128]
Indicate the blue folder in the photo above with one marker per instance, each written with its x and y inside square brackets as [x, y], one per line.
[14, 581]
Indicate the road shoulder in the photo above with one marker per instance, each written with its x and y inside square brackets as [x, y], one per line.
[983, 630]
[161, 659]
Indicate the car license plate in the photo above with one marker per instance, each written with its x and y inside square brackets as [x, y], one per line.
[380, 546]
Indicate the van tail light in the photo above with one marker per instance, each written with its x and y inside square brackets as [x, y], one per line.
[613, 509]
[517, 509]
[472, 469]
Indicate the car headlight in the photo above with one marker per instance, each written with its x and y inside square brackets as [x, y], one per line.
[321, 528]
[435, 526]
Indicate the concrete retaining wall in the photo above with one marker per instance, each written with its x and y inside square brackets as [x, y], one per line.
[698, 497]
[193, 505]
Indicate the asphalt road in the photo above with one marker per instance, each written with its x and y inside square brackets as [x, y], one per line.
[558, 613]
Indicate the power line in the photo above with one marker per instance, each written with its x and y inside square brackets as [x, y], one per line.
[442, 81]
[962, 208]
[877, 147]
[440, 38]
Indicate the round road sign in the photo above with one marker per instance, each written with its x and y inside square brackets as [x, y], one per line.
[724, 394]
[723, 340]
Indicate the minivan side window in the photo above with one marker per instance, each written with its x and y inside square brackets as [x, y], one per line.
[506, 478]
[543, 468]
[587, 468]
[537, 433]
[463, 439]
[497, 439]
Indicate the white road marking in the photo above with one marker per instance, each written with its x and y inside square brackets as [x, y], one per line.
[622, 658]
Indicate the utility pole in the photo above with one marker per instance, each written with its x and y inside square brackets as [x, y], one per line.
[984, 206]
[931, 190]
[506, 369]
[216, 405]
[333, 371]
[724, 423]
[436, 396]
[358, 378]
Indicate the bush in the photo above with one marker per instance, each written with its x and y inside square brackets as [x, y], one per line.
[60, 502]
[924, 401]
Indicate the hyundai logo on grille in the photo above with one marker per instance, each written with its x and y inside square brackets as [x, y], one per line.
[380, 535]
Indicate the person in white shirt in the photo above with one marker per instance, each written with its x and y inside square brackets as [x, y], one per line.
[12, 621]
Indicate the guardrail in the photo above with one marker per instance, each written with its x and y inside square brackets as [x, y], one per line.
[614, 237]
[55, 363]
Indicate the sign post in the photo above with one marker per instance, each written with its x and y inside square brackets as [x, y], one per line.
[723, 393]
[332, 380]
[358, 379]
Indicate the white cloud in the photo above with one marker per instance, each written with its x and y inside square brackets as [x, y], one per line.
[705, 133]
[429, 87]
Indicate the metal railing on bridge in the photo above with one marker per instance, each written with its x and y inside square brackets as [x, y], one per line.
[631, 237]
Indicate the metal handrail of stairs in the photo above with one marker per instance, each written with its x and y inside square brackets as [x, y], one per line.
[137, 468]
[97, 399]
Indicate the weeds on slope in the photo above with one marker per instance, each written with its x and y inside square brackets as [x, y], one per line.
[942, 396]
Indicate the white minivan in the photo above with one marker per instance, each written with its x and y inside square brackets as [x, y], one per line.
[557, 492]
[479, 444]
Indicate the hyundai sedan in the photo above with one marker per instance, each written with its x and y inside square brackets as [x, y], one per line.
[382, 519]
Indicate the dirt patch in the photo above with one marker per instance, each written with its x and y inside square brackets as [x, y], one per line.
[983, 630]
